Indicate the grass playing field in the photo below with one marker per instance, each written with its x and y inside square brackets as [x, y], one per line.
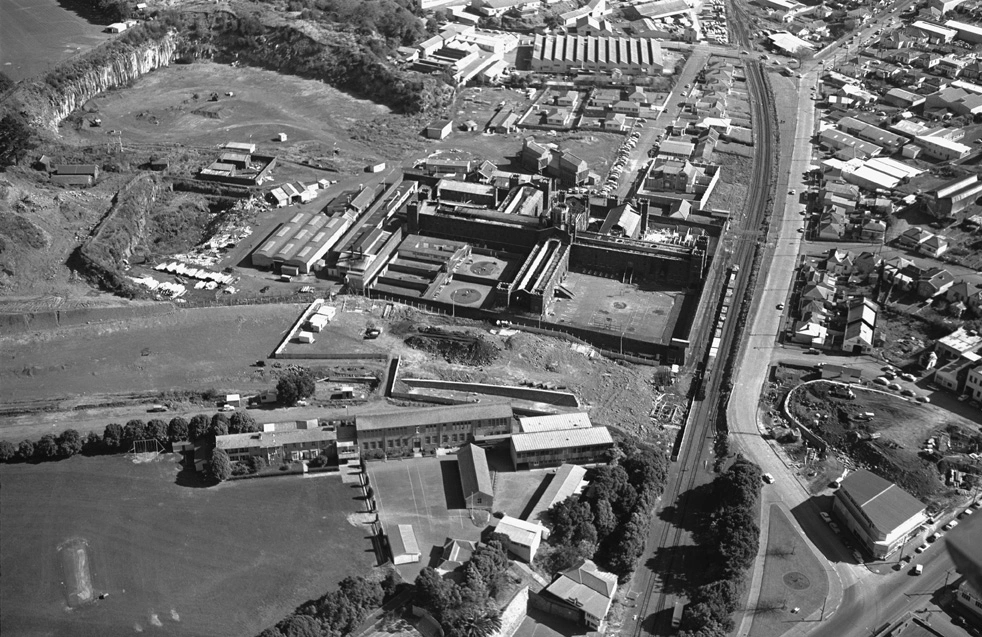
[35, 34]
[227, 560]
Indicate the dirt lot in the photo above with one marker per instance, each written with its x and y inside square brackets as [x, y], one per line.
[903, 426]
[216, 561]
[731, 191]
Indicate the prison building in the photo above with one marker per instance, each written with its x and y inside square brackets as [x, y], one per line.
[544, 269]
[550, 448]
[475, 478]
[553, 422]
[428, 428]
[566, 53]
[292, 445]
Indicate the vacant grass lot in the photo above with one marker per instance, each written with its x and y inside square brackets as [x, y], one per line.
[793, 579]
[36, 34]
[226, 560]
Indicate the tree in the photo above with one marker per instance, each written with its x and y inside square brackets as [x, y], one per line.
[47, 447]
[490, 561]
[434, 593]
[70, 443]
[135, 429]
[301, 626]
[112, 437]
[5, 82]
[157, 429]
[8, 451]
[219, 425]
[199, 426]
[294, 385]
[242, 422]
[361, 592]
[473, 621]
[604, 519]
[93, 442]
[221, 465]
[25, 450]
[16, 139]
[177, 429]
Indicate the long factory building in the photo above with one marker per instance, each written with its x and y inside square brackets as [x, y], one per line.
[565, 53]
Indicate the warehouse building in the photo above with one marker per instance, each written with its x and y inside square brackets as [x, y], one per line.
[301, 242]
[550, 448]
[954, 196]
[567, 53]
[475, 478]
[429, 428]
[880, 514]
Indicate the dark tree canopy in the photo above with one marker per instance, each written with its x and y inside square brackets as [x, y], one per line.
[199, 426]
[157, 429]
[25, 450]
[294, 385]
[177, 429]
[8, 451]
[16, 139]
[112, 437]
[221, 465]
[242, 422]
[70, 443]
[46, 447]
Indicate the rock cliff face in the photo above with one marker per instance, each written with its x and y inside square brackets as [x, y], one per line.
[54, 104]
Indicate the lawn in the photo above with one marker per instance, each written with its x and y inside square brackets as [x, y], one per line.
[201, 348]
[227, 560]
[793, 578]
[37, 34]
[516, 492]
[426, 493]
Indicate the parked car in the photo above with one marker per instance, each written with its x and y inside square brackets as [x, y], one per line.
[950, 525]
[923, 399]
[922, 548]
[935, 537]
[907, 392]
[918, 569]
[908, 377]
[835, 527]
[825, 516]
[768, 478]
[879, 380]
[780, 306]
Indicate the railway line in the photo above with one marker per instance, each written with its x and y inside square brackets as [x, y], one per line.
[695, 456]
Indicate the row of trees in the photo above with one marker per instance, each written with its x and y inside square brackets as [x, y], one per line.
[337, 612]
[467, 609]
[610, 523]
[118, 438]
[734, 537]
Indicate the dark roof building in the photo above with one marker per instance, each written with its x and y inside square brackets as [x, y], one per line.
[879, 513]
[475, 478]
[586, 589]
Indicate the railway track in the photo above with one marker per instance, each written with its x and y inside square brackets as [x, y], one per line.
[696, 453]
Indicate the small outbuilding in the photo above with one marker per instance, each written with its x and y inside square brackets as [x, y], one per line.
[403, 545]
[439, 129]
[475, 478]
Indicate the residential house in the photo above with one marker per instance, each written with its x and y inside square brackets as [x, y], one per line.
[839, 262]
[913, 237]
[966, 293]
[934, 282]
[586, 591]
[933, 246]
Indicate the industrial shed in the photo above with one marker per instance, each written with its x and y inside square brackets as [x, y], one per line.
[475, 478]
[403, 545]
[301, 241]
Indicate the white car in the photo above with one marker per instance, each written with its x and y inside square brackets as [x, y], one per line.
[922, 548]
[768, 478]
[950, 525]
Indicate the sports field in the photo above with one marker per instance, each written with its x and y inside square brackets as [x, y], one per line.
[228, 560]
[35, 34]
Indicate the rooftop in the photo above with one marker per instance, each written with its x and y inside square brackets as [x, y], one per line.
[416, 417]
[474, 474]
[403, 541]
[561, 438]
[270, 439]
[533, 424]
[884, 503]
[519, 531]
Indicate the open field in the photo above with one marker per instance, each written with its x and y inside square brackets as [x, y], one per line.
[793, 579]
[161, 109]
[226, 560]
[201, 348]
[515, 492]
[37, 34]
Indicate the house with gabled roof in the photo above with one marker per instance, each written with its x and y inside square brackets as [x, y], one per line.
[475, 477]
[587, 590]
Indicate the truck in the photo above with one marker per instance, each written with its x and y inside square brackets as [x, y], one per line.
[677, 613]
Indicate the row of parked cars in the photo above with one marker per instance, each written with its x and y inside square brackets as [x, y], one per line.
[623, 155]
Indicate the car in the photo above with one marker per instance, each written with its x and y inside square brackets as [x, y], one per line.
[922, 399]
[835, 528]
[372, 333]
[825, 516]
[906, 559]
[917, 570]
[880, 380]
[935, 537]
[965, 513]
[812, 350]
[890, 374]
[908, 377]
[922, 548]
[977, 505]
[157, 409]
[688, 86]
[302, 403]
[894, 386]
[227, 408]
[780, 306]
[907, 392]
[791, 192]
[768, 478]
[950, 525]
[801, 230]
